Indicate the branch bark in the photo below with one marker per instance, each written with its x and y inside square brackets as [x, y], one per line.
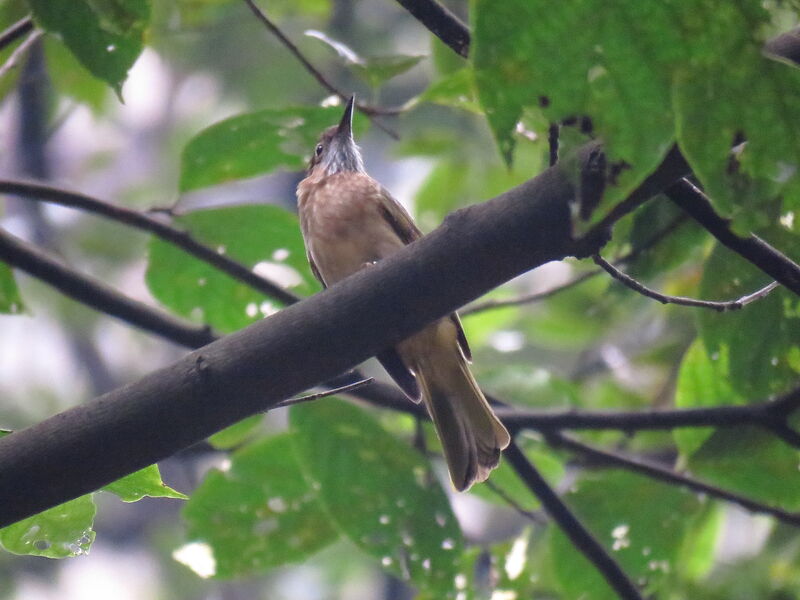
[98, 295]
[30, 190]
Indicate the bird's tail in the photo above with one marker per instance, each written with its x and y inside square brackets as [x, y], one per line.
[471, 434]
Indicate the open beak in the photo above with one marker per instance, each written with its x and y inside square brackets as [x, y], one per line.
[345, 129]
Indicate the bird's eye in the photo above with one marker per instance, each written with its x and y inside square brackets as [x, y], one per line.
[318, 149]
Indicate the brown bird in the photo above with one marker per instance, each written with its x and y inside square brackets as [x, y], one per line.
[350, 221]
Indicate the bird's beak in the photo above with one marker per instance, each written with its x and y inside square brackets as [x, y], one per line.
[345, 129]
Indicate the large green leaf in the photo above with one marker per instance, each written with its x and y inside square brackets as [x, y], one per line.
[263, 235]
[646, 74]
[106, 36]
[255, 144]
[380, 493]
[732, 89]
[145, 482]
[259, 512]
[753, 462]
[10, 300]
[60, 532]
[641, 522]
[702, 382]
[761, 337]
[613, 72]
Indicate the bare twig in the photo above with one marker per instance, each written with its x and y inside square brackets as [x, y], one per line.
[145, 222]
[630, 282]
[19, 52]
[505, 497]
[342, 389]
[666, 475]
[771, 414]
[752, 248]
[371, 111]
[581, 537]
[98, 295]
[531, 298]
[16, 31]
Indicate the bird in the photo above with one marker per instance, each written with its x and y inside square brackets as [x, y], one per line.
[350, 221]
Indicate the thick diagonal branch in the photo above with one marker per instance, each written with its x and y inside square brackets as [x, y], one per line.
[312, 341]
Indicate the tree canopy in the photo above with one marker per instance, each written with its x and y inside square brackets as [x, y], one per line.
[609, 192]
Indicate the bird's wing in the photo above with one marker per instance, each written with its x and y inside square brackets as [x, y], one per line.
[315, 270]
[398, 218]
[407, 231]
[403, 376]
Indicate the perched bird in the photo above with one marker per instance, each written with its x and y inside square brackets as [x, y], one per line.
[350, 221]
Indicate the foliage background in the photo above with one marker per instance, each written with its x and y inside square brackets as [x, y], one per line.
[333, 500]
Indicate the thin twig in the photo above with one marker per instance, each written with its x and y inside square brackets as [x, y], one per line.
[581, 537]
[506, 497]
[752, 248]
[19, 52]
[145, 222]
[98, 295]
[324, 394]
[371, 111]
[539, 296]
[15, 31]
[636, 286]
[660, 473]
[771, 414]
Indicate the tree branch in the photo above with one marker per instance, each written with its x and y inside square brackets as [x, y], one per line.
[606, 457]
[16, 31]
[752, 248]
[145, 222]
[531, 298]
[441, 23]
[370, 111]
[19, 52]
[772, 415]
[581, 537]
[476, 249]
[631, 283]
[98, 295]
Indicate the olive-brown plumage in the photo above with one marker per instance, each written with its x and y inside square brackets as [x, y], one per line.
[349, 221]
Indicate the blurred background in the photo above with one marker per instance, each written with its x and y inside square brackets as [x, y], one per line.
[206, 60]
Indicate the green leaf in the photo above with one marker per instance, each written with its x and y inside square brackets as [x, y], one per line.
[71, 78]
[760, 337]
[641, 522]
[375, 71]
[258, 513]
[264, 237]
[255, 144]
[145, 482]
[60, 532]
[614, 72]
[106, 36]
[752, 462]
[380, 494]
[236, 434]
[723, 94]
[702, 382]
[10, 300]
[456, 90]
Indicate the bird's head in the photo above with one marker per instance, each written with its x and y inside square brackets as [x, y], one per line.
[336, 150]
